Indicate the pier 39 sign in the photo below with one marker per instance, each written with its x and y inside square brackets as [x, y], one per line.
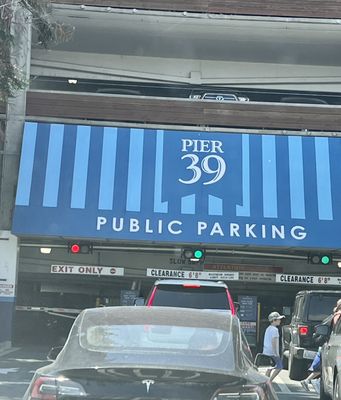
[179, 186]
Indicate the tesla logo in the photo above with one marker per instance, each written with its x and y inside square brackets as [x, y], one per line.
[148, 382]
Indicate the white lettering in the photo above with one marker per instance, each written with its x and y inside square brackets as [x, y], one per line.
[298, 232]
[279, 232]
[263, 231]
[160, 226]
[186, 143]
[114, 224]
[202, 146]
[234, 228]
[171, 230]
[100, 221]
[217, 229]
[216, 146]
[134, 225]
[148, 229]
[201, 226]
[205, 146]
[249, 230]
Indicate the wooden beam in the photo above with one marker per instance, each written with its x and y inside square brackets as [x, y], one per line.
[329, 9]
[63, 105]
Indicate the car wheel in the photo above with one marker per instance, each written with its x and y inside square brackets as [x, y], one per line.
[323, 394]
[297, 370]
[337, 388]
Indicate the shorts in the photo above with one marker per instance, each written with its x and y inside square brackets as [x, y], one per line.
[278, 362]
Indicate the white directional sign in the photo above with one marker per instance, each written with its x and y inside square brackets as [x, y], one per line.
[87, 270]
[179, 274]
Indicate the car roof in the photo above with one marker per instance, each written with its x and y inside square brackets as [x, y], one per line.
[188, 281]
[175, 316]
[319, 292]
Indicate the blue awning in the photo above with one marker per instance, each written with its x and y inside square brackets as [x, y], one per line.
[179, 186]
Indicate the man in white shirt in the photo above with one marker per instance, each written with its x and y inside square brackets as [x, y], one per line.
[271, 344]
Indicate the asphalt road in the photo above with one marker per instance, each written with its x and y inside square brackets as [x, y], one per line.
[17, 368]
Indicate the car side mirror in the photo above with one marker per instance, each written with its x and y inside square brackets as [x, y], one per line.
[322, 330]
[262, 360]
[53, 353]
[139, 301]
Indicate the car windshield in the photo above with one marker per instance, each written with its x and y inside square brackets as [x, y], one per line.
[107, 337]
[321, 306]
[204, 297]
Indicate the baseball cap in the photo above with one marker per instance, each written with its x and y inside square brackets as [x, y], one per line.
[275, 315]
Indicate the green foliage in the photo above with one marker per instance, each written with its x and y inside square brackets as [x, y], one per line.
[48, 31]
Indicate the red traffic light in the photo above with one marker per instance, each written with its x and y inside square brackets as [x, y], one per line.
[75, 248]
[79, 248]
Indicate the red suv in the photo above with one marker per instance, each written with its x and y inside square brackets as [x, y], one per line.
[191, 294]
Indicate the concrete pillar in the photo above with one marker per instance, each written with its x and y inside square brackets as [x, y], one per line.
[15, 118]
[8, 278]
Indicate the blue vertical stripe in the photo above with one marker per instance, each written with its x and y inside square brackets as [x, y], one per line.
[215, 205]
[188, 204]
[296, 176]
[269, 176]
[134, 185]
[80, 169]
[108, 168]
[324, 196]
[244, 210]
[53, 166]
[159, 205]
[26, 164]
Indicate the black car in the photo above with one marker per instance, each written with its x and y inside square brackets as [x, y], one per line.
[152, 353]
[299, 346]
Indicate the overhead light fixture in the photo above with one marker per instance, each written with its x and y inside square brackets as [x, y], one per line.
[72, 81]
[45, 250]
[339, 264]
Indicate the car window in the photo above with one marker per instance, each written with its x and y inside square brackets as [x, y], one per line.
[201, 297]
[298, 303]
[320, 306]
[153, 338]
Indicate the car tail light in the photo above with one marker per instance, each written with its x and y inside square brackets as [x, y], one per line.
[303, 330]
[248, 392]
[191, 285]
[151, 298]
[46, 388]
[232, 307]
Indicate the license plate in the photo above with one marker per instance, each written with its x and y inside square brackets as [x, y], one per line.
[309, 354]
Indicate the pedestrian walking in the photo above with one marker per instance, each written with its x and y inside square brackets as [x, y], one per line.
[271, 344]
[315, 372]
